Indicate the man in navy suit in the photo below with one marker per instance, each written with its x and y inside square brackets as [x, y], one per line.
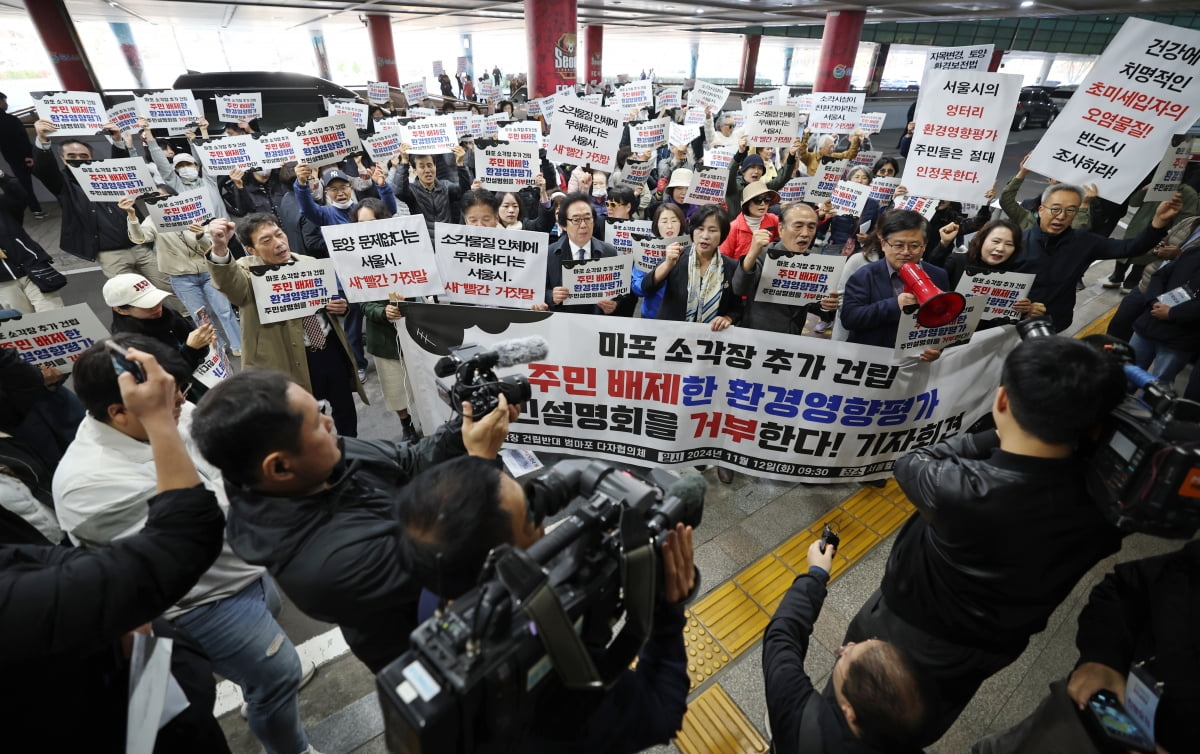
[577, 219]
[875, 294]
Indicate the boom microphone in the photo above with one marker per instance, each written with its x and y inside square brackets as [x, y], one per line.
[509, 353]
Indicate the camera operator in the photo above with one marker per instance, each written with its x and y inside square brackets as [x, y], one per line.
[455, 513]
[877, 701]
[319, 510]
[1141, 615]
[64, 612]
[1004, 527]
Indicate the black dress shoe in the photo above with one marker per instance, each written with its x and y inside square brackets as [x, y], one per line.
[724, 474]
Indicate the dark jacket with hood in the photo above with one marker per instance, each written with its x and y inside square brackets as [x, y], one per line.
[88, 227]
[339, 552]
[172, 330]
[1181, 329]
[19, 248]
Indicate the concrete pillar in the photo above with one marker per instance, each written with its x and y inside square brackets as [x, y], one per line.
[550, 36]
[839, 46]
[750, 45]
[133, 58]
[876, 77]
[318, 42]
[466, 42]
[380, 29]
[695, 58]
[997, 57]
[1045, 72]
[594, 68]
[787, 64]
[62, 44]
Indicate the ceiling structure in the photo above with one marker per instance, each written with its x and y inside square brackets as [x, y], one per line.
[731, 16]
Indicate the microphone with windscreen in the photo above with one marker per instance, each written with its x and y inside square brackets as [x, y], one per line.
[476, 382]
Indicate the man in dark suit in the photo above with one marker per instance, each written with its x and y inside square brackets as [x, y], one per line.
[577, 219]
[875, 294]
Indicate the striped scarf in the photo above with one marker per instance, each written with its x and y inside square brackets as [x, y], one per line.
[704, 288]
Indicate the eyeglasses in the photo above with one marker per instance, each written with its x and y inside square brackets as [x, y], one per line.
[911, 246]
[579, 221]
[1068, 211]
[760, 200]
[323, 407]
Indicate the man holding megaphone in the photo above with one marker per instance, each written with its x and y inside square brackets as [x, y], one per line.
[876, 295]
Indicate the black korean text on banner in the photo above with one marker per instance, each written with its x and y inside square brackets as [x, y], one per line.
[326, 140]
[922, 204]
[635, 95]
[974, 58]
[705, 96]
[707, 186]
[866, 158]
[56, 338]
[357, 111]
[649, 253]
[125, 117]
[590, 280]
[871, 123]
[379, 92]
[176, 213]
[850, 198]
[1144, 88]
[669, 98]
[523, 133]
[1169, 174]
[883, 189]
[491, 266]
[776, 406]
[997, 292]
[797, 279]
[416, 113]
[794, 190]
[291, 291]
[835, 112]
[719, 157]
[636, 173]
[382, 147]
[213, 369]
[379, 257]
[584, 135]
[223, 156]
[822, 183]
[772, 125]
[113, 180]
[170, 109]
[621, 234]
[912, 339]
[681, 136]
[507, 167]
[234, 107]
[276, 148]
[72, 113]
[415, 92]
[543, 107]
[432, 136]
[962, 120]
[649, 135]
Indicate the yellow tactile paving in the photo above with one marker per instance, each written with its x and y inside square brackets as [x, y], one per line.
[732, 617]
[1098, 326]
[766, 582]
[705, 655]
[715, 725]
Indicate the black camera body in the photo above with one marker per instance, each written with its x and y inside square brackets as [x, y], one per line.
[1143, 468]
[476, 382]
[541, 618]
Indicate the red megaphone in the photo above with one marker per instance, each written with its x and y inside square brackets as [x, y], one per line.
[935, 307]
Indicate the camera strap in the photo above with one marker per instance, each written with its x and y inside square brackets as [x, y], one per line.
[638, 581]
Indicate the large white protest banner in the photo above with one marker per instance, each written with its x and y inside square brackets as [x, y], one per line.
[707, 186]
[972, 58]
[176, 213]
[772, 125]
[835, 112]
[962, 126]
[72, 113]
[649, 135]
[669, 98]
[326, 140]
[850, 198]
[293, 290]
[433, 135]
[797, 279]
[1138, 94]
[507, 167]
[378, 257]
[276, 148]
[777, 406]
[125, 117]
[997, 291]
[234, 107]
[113, 180]
[170, 109]
[56, 338]
[1170, 171]
[707, 96]
[379, 92]
[491, 266]
[223, 156]
[581, 134]
[590, 280]
[912, 338]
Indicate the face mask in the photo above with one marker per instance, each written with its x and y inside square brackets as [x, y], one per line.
[189, 174]
[342, 205]
[599, 192]
[264, 174]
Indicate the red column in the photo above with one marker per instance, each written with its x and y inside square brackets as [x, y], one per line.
[839, 46]
[550, 31]
[997, 56]
[380, 28]
[595, 54]
[749, 61]
[62, 44]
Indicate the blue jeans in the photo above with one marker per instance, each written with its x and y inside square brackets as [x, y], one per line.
[245, 644]
[196, 291]
[1168, 362]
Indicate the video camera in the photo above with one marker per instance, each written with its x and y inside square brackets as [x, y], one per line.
[476, 671]
[475, 380]
[1144, 466]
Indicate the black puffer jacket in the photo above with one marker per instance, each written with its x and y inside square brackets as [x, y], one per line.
[339, 553]
[19, 248]
[88, 227]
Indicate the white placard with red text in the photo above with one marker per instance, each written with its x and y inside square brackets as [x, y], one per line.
[276, 148]
[176, 213]
[326, 140]
[170, 109]
[379, 257]
[797, 279]
[669, 98]
[772, 125]
[835, 112]
[222, 156]
[56, 338]
[649, 135]
[707, 96]
[113, 180]
[636, 173]
[1170, 171]
[234, 107]
[912, 339]
[507, 167]
[125, 117]
[590, 280]
[793, 191]
[292, 291]
[491, 266]
[72, 113]
[707, 186]
[822, 183]
[356, 110]
[581, 134]
[997, 291]
[649, 253]
[850, 198]
[379, 92]
[435, 135]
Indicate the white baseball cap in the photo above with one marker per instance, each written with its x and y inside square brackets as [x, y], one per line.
[130, 289]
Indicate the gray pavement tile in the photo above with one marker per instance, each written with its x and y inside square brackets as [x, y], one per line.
[716, 567]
